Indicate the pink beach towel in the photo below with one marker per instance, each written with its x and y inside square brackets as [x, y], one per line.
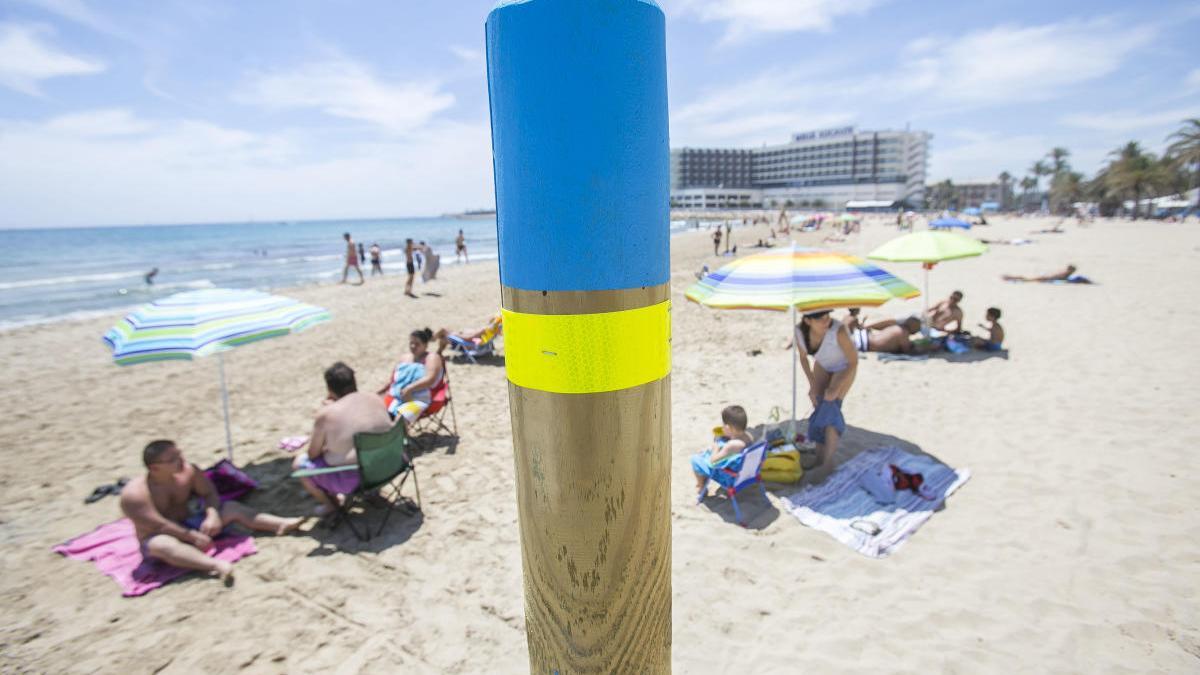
[116, 551]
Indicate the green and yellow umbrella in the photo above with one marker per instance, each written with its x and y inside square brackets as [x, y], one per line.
[929, 247]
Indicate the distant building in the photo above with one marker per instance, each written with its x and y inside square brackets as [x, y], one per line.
[978, 192]
[825, 169]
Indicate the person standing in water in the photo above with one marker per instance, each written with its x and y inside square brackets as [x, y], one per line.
[376, 259]
[149, 276]
[460, 248]
[351, 260]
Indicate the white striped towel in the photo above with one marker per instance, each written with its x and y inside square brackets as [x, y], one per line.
[841, 508]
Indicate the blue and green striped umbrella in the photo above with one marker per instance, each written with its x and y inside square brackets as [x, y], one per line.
[200, 323]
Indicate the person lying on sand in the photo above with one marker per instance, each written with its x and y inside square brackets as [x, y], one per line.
[346, 412]
[176, 512]
[891, 339]
[1066, 274]
[476, 335]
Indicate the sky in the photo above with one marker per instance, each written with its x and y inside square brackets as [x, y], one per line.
[173, 111]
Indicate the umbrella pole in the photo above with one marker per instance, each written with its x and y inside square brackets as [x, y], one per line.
[925, 314]
[795, 357]
[225, 405]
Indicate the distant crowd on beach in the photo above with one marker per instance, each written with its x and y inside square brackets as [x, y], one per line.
[418, 257]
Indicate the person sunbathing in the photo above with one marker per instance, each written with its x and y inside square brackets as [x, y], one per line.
[477, 336]
[891, 339]
[409, 393]
[1067, 274]
[344, 413]
[176, 512]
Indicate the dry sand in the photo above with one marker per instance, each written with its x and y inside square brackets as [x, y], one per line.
[1074, 548]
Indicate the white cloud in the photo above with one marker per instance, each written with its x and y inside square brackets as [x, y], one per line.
[1127, 120]
[1020, 63]
[746, 18]
[344, 88]
[26, 59]
[98, 124]
[1192, 81]
[467, 54]
[110, 166]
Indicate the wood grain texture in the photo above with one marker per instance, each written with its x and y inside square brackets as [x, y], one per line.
[593, 491]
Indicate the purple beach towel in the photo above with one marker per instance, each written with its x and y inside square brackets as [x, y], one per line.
[115, 550]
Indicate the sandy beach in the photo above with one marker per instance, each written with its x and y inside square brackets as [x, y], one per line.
[1073, 548]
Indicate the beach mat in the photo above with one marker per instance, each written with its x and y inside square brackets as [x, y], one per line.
[841, 508]
[115, 550]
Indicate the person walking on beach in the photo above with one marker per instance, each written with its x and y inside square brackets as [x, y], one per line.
[176, 512]
[460, 247]
[376, 259]
[351, 260]
[829, 379]
[410, 266]
[717, 241]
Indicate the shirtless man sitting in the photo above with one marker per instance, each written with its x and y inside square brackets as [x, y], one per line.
[344, 413]
[176, 512]
[947, 312]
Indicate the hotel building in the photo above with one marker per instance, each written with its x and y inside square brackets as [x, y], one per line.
[824, 169]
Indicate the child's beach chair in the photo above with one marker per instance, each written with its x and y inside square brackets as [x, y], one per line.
[740, 475]
[381, 461]
[433, 420]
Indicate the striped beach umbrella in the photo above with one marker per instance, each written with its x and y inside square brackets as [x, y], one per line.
[200, 323]
[804, 279]
[798, 278]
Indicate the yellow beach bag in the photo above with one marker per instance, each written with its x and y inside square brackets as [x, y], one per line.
[782, 467]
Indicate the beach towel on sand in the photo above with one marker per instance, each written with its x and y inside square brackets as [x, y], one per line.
[841, 508]
[115, 550]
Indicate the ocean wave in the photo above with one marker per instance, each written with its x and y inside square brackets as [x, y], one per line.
[43, 319]
[70, 279]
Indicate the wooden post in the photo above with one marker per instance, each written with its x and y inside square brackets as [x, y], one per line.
[579, 136]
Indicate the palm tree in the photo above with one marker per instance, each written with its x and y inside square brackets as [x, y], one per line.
[1066, 188]
[1005, 191]
[1028, 184]
[1184, 150]
[1039, 169]
[1136, 172]
[1058, 160]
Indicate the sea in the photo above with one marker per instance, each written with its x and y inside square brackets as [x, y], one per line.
[49, 275]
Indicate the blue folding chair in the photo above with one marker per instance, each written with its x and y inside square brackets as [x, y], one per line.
[737, 476]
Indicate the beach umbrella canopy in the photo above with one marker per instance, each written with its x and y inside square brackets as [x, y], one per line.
[947, 223]
[848, 218]
[798, 278]
[200, 323]
[795, 277]
[971, 211]
[929, 247]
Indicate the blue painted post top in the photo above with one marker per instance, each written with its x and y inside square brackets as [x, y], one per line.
[578, 92]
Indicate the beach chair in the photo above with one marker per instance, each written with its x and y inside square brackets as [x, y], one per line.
[433, 420]
[382, 462]
[739, 476]
[485, 346]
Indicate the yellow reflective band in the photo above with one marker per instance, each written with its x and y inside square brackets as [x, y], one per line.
[588, 353]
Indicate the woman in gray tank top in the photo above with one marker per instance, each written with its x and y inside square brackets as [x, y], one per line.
[829, 378]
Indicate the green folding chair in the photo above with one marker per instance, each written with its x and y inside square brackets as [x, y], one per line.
[382, 462]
